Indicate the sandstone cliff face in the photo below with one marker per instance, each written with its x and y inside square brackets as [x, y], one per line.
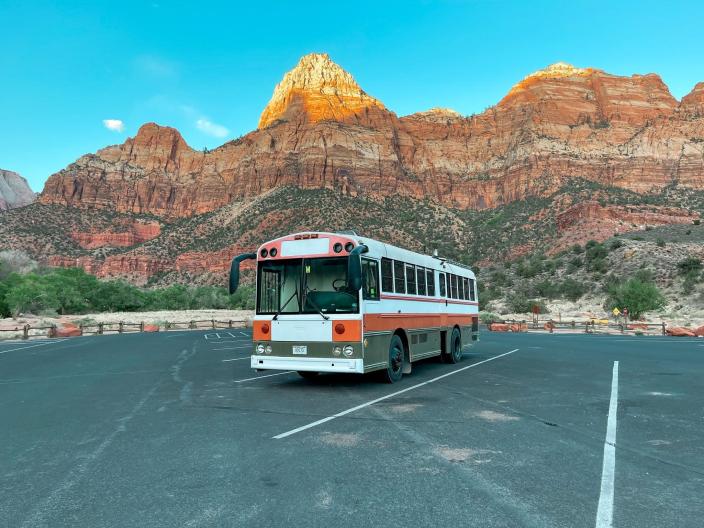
[14, 191]
[122, 234]
[321, 130]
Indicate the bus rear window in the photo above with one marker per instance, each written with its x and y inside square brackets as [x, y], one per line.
[472, 296]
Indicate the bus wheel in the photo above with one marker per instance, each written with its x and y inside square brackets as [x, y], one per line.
[394, 368]
[308, 374]
[455, 354]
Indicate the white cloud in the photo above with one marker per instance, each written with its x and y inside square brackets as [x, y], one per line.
[116, 125]
[210, 128]
[155, 66]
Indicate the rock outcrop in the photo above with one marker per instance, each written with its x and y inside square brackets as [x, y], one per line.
[321, 130]
[122, 234]
[14, 191]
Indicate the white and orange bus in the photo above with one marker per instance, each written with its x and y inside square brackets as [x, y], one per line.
[338, 302]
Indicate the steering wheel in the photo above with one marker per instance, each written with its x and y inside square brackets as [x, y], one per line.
[342, 287]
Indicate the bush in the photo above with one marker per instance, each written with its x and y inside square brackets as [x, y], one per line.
[73, 291]
[577, 249]
[660, 242]
[520, 303]
[488, 317]
[547, 288]
[635, 295]
[572, 289]
[615, 244]
[696, 221]
[689, 265]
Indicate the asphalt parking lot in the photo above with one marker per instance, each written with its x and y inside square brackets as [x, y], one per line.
[175, 430]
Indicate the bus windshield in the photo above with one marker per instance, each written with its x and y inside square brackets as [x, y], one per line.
[310, 285]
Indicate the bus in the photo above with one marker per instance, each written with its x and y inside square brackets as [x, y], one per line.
[338, 302]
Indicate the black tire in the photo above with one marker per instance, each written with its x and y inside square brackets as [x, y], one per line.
[308, 374]
[455, 353]
[394, 366]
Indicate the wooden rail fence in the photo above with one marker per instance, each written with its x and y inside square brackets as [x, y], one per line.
[589, 326]
[122, 327]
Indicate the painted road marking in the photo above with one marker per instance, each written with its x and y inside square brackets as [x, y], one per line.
[260, 377]
[232, 348]
[31, 346]
[235, 359]
[605, 511]
[372, 402]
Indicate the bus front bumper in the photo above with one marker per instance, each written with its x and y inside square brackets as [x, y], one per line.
[308, 364]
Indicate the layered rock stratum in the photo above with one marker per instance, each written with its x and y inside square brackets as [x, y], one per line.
[561, 130]
[14, 191]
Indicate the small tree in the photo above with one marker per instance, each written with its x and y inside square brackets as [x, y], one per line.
[637, 296]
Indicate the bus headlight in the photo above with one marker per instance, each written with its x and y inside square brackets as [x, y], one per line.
[260, 349]
[336, 351]
[268, 349]
[348, 351]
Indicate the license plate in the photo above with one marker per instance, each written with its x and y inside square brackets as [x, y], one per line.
[300, 350]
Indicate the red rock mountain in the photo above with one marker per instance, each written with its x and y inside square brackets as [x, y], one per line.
[569, 154]
[321, 130]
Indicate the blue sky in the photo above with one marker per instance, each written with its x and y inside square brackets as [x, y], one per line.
[209, 68]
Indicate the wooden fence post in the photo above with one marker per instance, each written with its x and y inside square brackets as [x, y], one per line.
[25, 332]
[120, 327]
[100, 328]
[212, 321]
[229, 323]
[192, 325]
[664, 332]
[141, 326]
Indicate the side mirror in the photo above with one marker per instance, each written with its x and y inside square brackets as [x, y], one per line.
[235, 270]
[354, 268]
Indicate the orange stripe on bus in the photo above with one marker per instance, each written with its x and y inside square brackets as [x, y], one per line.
[392, 321]
[351, 330]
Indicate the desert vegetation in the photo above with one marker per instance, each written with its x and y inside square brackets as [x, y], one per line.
[26, 287]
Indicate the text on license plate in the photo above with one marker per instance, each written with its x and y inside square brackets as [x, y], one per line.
[300, 350]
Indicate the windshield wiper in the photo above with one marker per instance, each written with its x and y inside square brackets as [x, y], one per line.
[317, 308]
[295, 294]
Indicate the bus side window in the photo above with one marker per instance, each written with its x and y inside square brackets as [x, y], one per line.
[472, 296]
[399, 277]
[411, 279]
[465, 288]
[453, 286]
[420, 273]
[370, 280]
[387, 275]
[430, 276]
[442, 285]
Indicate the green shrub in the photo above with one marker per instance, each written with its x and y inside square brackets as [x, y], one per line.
[615, 244]
[546, 288]
[488, 317]
[660, 242]
[4, 307]
[696, 221]
[689, 265]
[637, 296]
[519, 302]
[572, 289]
[577, 249]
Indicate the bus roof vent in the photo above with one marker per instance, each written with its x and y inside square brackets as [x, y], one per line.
[351, 232]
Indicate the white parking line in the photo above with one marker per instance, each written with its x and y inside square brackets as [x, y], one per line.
[605, 510]
[235, 359]
[372, 402]
[260, 377]
[30, 346]
[232, 348]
